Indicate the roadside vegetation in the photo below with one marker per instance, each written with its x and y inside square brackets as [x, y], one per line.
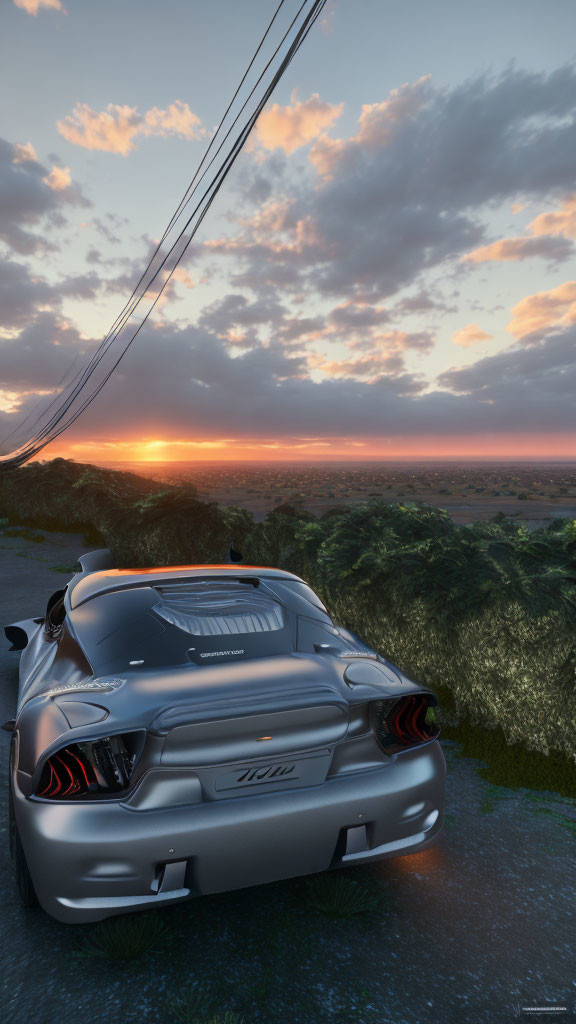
[485, 614]
[124, 938]
[339, 896]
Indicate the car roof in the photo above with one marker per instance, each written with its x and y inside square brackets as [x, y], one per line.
[93, 584]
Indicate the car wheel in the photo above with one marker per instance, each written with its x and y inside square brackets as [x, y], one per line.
[24, 883]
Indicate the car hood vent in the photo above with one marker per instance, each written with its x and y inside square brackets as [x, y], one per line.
[214, 608]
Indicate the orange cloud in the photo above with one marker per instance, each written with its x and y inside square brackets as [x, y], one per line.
[291, 127]
[58, 179]
[470, 335]
[24, 152]
[367, 367]
[114, 129]
[33, 6]
[273, 227]
[376, 125]
[509, 249]
[181, 275]
[382, 353]
[543, 310]
[561, 222]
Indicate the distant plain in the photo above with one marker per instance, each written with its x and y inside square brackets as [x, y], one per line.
[534, 493]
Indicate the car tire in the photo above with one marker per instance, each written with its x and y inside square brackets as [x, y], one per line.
[24, 884]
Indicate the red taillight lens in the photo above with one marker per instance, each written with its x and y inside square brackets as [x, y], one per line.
[67, 773]
[403, 722]
[97, 768]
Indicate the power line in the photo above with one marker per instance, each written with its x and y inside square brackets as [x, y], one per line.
[155, 279]
[78, 383]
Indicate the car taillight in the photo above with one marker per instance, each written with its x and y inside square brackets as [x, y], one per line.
[403, 722]
[92, 768]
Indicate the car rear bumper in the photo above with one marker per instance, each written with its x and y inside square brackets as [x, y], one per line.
[89, 861]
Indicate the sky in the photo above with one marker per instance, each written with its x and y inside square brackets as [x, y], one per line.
[389, 270]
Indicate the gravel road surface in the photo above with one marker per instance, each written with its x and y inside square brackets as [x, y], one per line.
[477, 929]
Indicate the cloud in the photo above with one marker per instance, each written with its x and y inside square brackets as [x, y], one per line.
[353, 316]
[24, 153]
[108, 225]
[522, 389]
[422, 302]
[383, 354]
[296, 331]
[514, 249]
[246, 323]
[114, 130]
[376, 126]
[183, 383]
[45, 351]
[415, 194]
[58, 179]
[407, 191]
[234, 318]
[369, 367]
[549, 238]
[32, 197]
[181, 276]
[559, 222]
[291, 127]
[20, 295]
[33, 6]
[470, 335]
[539, 312]
[275, 243]
[25, 295]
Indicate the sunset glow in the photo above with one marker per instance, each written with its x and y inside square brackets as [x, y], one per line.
[488, 447]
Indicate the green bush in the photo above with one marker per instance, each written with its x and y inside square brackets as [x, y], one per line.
[66, 495]
[484, 614]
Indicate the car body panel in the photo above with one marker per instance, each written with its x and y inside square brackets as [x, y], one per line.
[114, 850]
[253, 756]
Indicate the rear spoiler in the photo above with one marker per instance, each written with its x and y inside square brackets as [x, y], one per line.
[92, 561]
[96, 561]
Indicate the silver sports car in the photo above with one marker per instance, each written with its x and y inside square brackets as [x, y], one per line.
[203, 728]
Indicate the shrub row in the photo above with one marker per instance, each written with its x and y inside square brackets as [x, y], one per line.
[483, 614]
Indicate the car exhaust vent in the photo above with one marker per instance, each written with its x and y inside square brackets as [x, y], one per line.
[99, 768]
[401, 723]
[218, 609]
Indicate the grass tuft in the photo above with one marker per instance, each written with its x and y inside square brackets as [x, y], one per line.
[25, 533]
[338, 896]
[227, 1017]
[124, 938]
[195, 1005]
[512, 765]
